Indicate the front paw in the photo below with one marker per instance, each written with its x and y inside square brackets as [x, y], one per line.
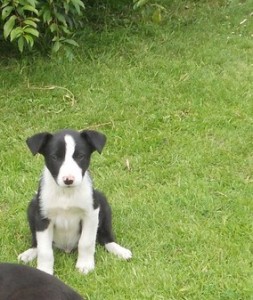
[85, 266]
[28, 255]
[45, 269]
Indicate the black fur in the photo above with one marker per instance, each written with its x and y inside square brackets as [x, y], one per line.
[19, 282]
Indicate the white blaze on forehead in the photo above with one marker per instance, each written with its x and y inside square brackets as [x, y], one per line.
[70, 146]
[69, 167]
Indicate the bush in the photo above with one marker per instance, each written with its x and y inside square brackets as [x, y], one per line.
[51, 22]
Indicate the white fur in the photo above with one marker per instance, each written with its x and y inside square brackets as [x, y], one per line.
[67, 227]
[87, 243]
[73, 201]
[66, 207]
[118, 250]
[45, 260]
[69, 167]
[28, 255]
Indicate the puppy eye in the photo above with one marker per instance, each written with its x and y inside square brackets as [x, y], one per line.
[80, 156]
[54, 157]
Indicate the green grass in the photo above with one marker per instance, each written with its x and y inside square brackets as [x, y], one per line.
[176, 101]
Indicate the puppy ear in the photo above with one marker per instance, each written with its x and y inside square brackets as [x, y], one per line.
[96, 139]
[37, 142]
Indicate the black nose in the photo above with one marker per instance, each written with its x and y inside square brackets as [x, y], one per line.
[68, 181]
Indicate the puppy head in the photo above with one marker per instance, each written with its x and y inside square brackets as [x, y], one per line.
[67, 153]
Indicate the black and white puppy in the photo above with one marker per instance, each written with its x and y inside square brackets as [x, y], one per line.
[67, 212]
[18, 282]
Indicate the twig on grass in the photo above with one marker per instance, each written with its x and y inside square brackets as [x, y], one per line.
[95, 126]
[68, 96]
[128, 165]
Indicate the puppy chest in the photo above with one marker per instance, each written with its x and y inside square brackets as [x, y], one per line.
[67, 228]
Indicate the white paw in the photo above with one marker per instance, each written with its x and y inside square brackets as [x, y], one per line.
[28, 255]
[85, 266]
[125, 253]
[46, 269]
[118, 250]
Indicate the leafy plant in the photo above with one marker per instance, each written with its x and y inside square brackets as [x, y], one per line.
[25, 22]
[150, 11]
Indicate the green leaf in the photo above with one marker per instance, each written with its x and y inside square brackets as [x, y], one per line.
[21, 42]
[32, 31]
[32, 2]
[33, 19]
[66, 7]
[31, 8]
[57, 45]
[21, 2]
[140, 3]
[65, 29]
[69, 53]
[71, 42]
[8, 26]
[29, 39]
[78, 4]
[6, 12]
[53, 27]
[5, 4]
[47, 16]
[30, 22]
[15, 33]
[61, 18]
[20, 11]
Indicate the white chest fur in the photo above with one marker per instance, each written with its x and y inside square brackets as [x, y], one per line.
[67, 229]
[66, 208]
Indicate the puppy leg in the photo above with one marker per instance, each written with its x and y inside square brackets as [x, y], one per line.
[86, 246]
[105, 234]
[106, 238]
[45, 260]
[30, 254]
[118, 250]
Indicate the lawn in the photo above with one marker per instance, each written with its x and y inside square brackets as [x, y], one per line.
[176, 103]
